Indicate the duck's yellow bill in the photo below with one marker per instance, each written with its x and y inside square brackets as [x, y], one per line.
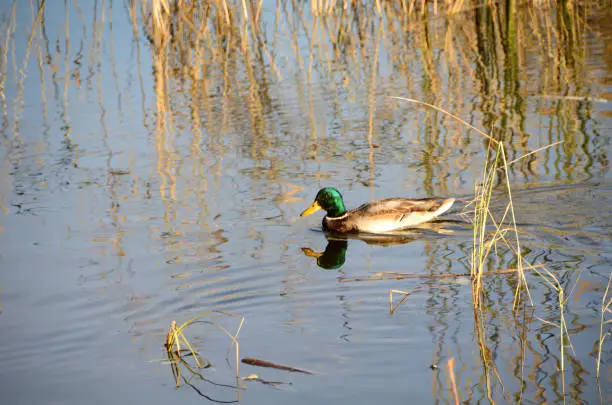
[313, 208]
[311, 253]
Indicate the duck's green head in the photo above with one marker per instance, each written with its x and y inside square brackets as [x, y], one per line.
[328, 199]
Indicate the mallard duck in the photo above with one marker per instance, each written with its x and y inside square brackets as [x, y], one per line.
[378, 216]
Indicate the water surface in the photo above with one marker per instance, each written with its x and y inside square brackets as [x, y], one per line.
[136, 190]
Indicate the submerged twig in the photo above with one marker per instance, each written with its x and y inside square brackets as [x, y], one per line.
[392, 275]
[263, 363]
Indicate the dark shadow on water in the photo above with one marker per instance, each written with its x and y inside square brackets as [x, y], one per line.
[334, 255]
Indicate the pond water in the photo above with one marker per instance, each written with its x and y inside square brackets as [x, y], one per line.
[143, 183]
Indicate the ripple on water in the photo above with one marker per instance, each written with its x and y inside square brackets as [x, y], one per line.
[68, 328]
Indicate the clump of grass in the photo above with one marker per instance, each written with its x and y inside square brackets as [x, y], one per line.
[504, 230]
[484, 241]
[173, 342]
[176, 341]
[496, 166]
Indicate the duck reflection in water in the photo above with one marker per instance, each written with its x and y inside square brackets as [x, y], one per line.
[334, 255]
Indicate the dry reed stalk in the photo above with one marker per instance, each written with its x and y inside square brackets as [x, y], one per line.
[486, 357]
[22, 71]
[393, 309]
[450, 368]
[606, 307]
[4, 50]
[554, 284]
